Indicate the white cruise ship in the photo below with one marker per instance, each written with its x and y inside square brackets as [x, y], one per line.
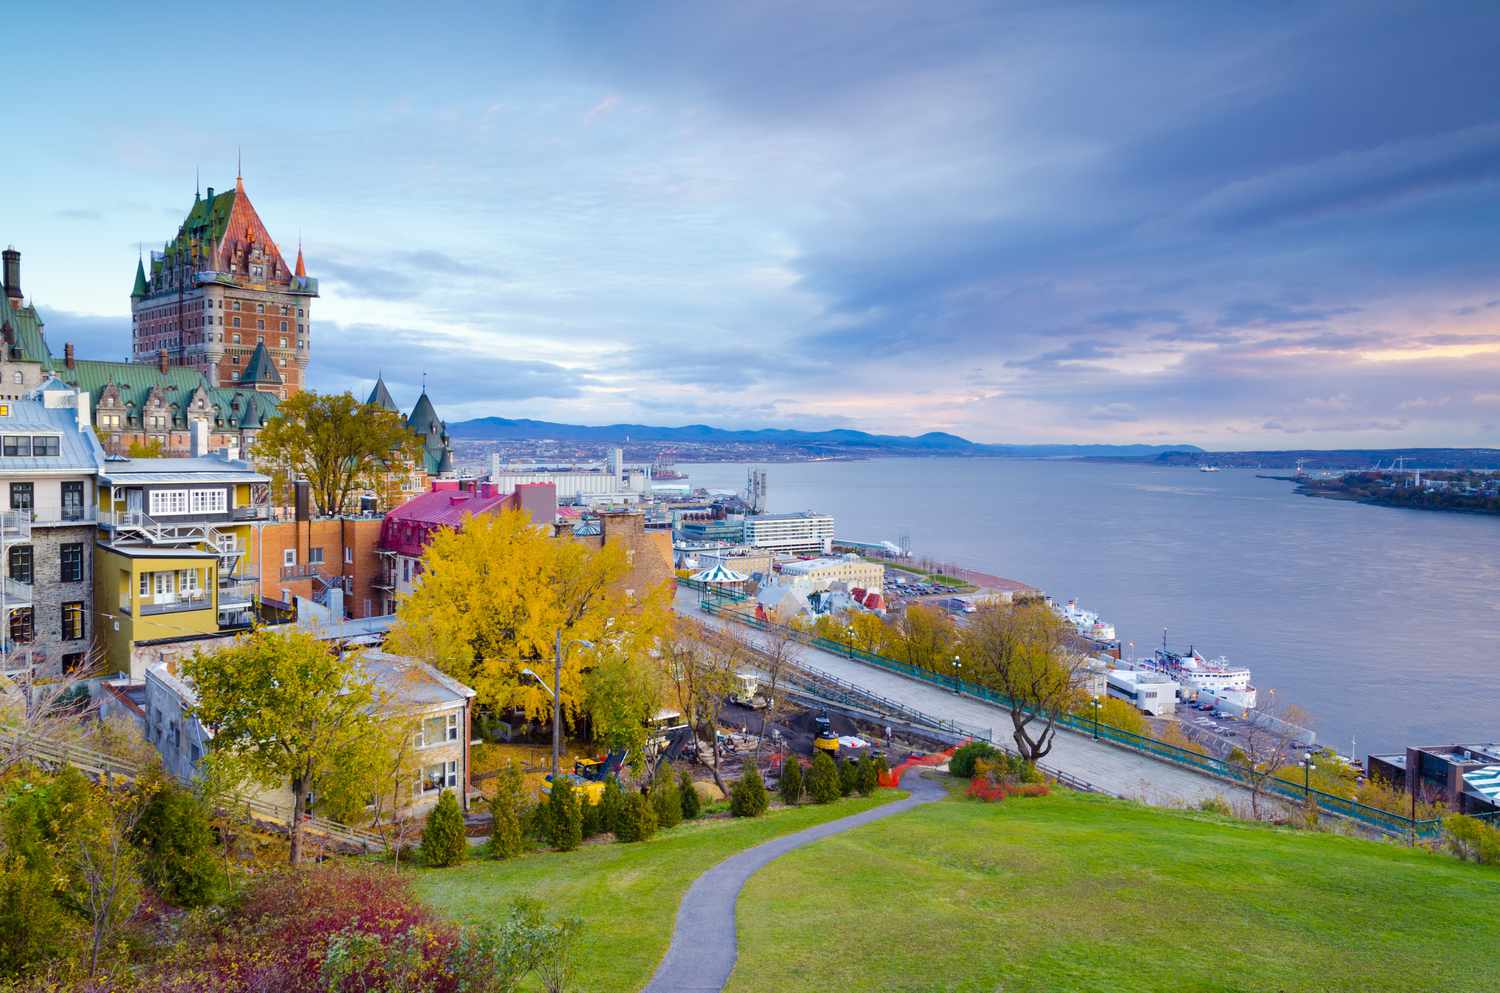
[1086, 622]
[1197, 674]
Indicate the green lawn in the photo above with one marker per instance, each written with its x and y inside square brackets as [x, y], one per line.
[1080, 893]
[627, 895]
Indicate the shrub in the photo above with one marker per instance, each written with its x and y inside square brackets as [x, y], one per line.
[666, 799]
[692, 803]
[1028, 789]
[564, 820]
[848, 776]
[791, 781]
[177, 841]
[882, 768]
[869, 776]
[1216, 805]
[508, 811]
[1472, 839]
[748, 797]
[443, 841]
[637, 820]
[981, 788]
[590, 817]
[609, 805]
[823, 779]
[962, 762]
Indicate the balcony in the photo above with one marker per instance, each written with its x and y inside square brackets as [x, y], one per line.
[260, 512]
[172, 603]
[15, 526]
[236, 593]
[17, 594]
[322, 570]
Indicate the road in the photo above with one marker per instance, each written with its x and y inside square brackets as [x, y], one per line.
[1107, 767]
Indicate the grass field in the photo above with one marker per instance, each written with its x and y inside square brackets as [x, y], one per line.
[1080, 893]
[627, 895]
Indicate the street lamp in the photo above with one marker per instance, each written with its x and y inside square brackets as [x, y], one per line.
[555, 692]
[1307, 768]
[958, 686]
[1096, 717]
[849, 633]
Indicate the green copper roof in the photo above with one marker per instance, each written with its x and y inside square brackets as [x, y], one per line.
[260, 368]
[234, 407]
[140, 281]
[204, 225]
[25, 332]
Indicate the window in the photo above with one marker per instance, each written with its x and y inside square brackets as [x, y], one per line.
[406, 570]
[72, 620]
[72, 562]
[260, 325]
[17, 446]
[72, 661]
[443, 775]
[20, 563]
[165, 502]
[299, 311]
[315, 556]
[348, 556]
[236, 305]
[260, 308]
[209, 501]
[289, 556]
[438, 730]
[162, 582]
[145, 584]
[20, 494]
[187, 581]
[234, 337]
[43, 445]
[72, 500]
[283, 340]
[236, 359]
[19, 377]
[21, 629]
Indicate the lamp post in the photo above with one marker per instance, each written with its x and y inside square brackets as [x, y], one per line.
[1096, 717]
[849, 634]
[1307, 768]
[555, 692]
[958, 686]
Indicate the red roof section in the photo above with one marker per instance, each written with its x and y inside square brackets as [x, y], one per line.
[243, 229]
[409, 527]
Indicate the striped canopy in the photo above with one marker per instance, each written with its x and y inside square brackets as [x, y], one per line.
[1485, 782]
[719, 574]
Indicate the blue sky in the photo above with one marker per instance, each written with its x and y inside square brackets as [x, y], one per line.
[1267, 225]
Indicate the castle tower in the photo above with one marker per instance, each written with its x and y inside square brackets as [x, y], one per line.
[219, 291]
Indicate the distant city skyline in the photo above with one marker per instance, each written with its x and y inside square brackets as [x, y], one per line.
[1260, 227]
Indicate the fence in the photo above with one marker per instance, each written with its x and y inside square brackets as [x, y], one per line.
[1375, 817]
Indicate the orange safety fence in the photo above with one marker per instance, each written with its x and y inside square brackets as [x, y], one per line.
[893, 777]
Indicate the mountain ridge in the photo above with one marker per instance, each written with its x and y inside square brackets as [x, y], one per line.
[836, 439]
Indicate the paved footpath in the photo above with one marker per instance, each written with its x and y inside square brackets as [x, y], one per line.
[704, 947]
[1107, 767]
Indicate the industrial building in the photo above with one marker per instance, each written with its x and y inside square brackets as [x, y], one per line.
[1465, 777]
[1149, 692]
[812, 575]
[612, 482]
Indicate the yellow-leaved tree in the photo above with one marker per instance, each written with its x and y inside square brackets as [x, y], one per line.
[499, 595]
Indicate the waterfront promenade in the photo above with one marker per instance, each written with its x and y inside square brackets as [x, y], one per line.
[1108, 767]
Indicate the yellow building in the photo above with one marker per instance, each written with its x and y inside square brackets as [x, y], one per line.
[170, 569]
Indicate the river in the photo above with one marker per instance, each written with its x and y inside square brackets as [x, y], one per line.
[1382, 623]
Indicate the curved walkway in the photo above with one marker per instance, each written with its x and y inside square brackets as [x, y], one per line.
[703, 947]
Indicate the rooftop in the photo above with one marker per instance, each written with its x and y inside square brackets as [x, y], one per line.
[412, 682]
[78, 451]
[195, 469]
[800, 515]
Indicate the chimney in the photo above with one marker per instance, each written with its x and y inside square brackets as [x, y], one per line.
[161, 360]
[84, 420]
[12, 276]
[199, 438]
[302, 499]
[68, 355]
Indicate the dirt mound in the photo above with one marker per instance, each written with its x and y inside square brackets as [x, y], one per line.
[807, 723]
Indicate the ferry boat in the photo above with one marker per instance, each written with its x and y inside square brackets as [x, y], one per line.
[1196, 674]
[1208, 468]
[1086, 622]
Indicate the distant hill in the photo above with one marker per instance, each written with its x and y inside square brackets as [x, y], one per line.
[840, 440]
[1338, 459]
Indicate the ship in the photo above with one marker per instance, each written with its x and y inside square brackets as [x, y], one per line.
[1085, 622]
[1196, 674]
[664, 471]
[1208, 468]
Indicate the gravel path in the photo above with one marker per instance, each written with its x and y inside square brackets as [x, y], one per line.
[703, 947]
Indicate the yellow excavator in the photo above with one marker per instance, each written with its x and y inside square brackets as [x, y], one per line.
[826, 739]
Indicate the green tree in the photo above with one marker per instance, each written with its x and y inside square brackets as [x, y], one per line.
[692, 804]
[339, 445]
[565, 820]
[285, 708]
[1022, 652]
[748, 797]
[611, 801]
[964, 757]
[146, 449]
[823, 779]
[869, 776]
[848, 776]
[637, 820]
[175, 835]
[508, 813]
[443, 840]
[791, 781]
[667, 800]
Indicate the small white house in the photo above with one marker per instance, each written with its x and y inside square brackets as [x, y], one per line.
[1149, 692]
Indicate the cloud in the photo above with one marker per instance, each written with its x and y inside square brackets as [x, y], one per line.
[601, 109]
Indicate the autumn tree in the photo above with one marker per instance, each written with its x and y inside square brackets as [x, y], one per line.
[339, 445]
[146, 449]
[776, 656]
[500, 596]
[925, 637]
[284, 708]
[1023, 652]
[701, 664]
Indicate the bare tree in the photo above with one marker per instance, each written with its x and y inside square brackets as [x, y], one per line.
[701, 664]
[107, 863]
[777, 653]
[45, 712]
[1023, 652]
[1268, 743]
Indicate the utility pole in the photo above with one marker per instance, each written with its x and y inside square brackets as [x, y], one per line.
[556, 705]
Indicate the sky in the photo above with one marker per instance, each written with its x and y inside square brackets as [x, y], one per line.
[1241, 226]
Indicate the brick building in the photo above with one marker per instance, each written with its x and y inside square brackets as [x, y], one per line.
[307, 557]
[219, 290]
